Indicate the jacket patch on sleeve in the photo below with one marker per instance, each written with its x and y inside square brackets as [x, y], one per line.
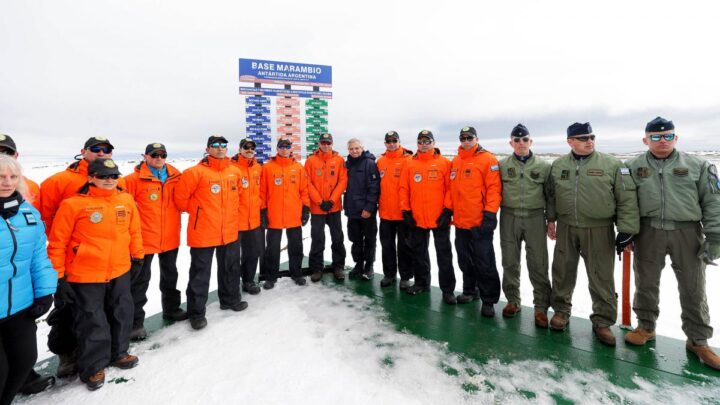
[494, 168]
[624, 171]
[30, 218]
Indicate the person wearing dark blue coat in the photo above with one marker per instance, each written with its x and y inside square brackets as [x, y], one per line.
[360, 205]
[27, 279]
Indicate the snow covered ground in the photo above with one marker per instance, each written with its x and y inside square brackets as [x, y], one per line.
[323, 345]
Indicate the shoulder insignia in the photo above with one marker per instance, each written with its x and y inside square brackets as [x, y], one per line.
[494, 168]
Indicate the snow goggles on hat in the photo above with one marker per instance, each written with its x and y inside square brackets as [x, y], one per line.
[657, 137]
[104, 149]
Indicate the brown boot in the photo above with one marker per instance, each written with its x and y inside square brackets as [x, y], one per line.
[125, 361]
[559, 321]
[316, 276]
[639, 336]
[705, 355]
[541, 320]
[510, 310]
[339, 274]
[95, 381]
[604, 335]
[67, 365]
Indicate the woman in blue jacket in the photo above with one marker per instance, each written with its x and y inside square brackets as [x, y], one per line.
[27, 280]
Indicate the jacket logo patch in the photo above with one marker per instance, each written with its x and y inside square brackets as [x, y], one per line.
[397, 171]
[318, 172]
[595, 172]
[382, 173]
[433, 175]
[681, 171]
[30, 218]
[96, 217]
[153, 197]
[511, 172]
[624, 171]
[468, 173]
[245, 183]
[534, 174]
[565, 174]
[494, 168]
[215, 188]
[643, 172]
[278, 181]
[417, 178]
[293, 178]
[453, 174]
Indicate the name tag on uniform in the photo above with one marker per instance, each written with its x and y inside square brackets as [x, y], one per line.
[681, 171]
[595, 172]
[624, 171]
[534, 174]
[564, 175]
[643, 172]
[30, 218]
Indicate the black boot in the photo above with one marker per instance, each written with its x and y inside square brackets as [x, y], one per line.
[36, 383]
[368, 272]
[357, 271]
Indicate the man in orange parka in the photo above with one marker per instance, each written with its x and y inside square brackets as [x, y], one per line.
[395, 257]
[53, 191]
[426, 206]
[327, 182]
[250, 234]
[476, 191]
[7, 147]
[285, 205]
[95, 240]
[152, 186]
[209, 192]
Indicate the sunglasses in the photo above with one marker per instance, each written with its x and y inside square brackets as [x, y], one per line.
[158, 155]
[7, 151]
[325, 143]
[518, 139]
[583, 138]
[657, 137]
[248, 147]
[107, 176]
[424, 141]
[219, 145]
[97, 149]
[285, 146]
[466, 138]
[391, 141]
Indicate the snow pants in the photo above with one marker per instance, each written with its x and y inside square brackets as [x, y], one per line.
[476, 258]
[396, 256]
[170, 295]
[228, 275]
[333, 221]
[251, 248]
[419, 243]
[272, 252]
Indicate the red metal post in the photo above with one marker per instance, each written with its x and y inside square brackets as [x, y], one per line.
[626, 289]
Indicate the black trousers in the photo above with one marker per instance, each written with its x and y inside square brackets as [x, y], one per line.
[395, 256]
[18, 353]
[362, 232]
[228, 276]
[419, 242]
[476, 258]
[272, 252]
[61, 338]
[317, 235]
[103, 321]
[168, 285]
[251, 248]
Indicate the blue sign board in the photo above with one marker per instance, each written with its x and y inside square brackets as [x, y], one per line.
[285, 92]
[257, 119]
[269, 71]
[257, 100]
[257, 129]
[257, 110]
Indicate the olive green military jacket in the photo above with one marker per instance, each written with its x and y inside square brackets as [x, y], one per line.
[524, 185]
[678, 190]
[595, 191]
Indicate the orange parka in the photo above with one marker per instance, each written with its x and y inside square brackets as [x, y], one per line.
[209, 192]
[327, 180]
[390, 166]
[284, 191]
[159, 216]
[94, 235]
[33, 191]
[425, 187]
[63, 185]
[475, 186]
[249, 207]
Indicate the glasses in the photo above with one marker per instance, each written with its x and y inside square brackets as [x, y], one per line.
[248, 147]
[97, 149]
[424, 141]
[7, 151]
[325, 143]
[391, 141]
[518, 139]
[219, 145]
[583, 138]
[285, 146]
[158, 155]
[106, 176]
[466, 138]
[657, 137]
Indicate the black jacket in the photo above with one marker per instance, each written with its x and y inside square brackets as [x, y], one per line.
[363, 189]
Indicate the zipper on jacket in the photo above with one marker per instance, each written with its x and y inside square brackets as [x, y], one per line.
[162, 214]
[522, 188]
[12, 262]
[577, 180]
[197, 215]
[662, 195]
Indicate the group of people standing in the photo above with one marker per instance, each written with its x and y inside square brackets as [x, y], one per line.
[104, 230]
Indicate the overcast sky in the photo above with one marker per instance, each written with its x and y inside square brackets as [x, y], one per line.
[145, 71]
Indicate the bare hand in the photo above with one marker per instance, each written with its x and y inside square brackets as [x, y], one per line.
[365, 214]
[551, 231]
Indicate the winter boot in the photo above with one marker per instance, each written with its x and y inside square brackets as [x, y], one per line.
[339, 274]
[251, 288]
[67, 365]
[541, 319]
[95, 381]
[357, 271]
[639, 336]
[604, 335]
[559, 321]
[466, 298]
[404, 284]
[417, 289]
[369, 272]
[510, 310]
[176, 315]
[125, 361]
[487, 310]
[704, 354]
[387, 281]
[36, 383]
[449, 298]
[198, 323]
[138, 334]
[269, 284]
[237, 307]
[316, 276]
[300, 280]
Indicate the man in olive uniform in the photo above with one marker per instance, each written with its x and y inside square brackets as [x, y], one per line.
[679, 197]
[522, 218]
[588, 191]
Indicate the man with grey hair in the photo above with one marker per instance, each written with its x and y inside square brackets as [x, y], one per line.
[360, 205]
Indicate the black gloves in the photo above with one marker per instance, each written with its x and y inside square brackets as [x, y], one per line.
[326, 205]
[443, 220]
[136, 265]
[408, 218]
[709, 253]
[489, 222]
[263, 218]
[621, 241]
[65, 292]
[305, 215]
[40, 307]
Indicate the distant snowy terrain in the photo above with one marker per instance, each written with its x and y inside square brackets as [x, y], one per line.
[321, 345]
